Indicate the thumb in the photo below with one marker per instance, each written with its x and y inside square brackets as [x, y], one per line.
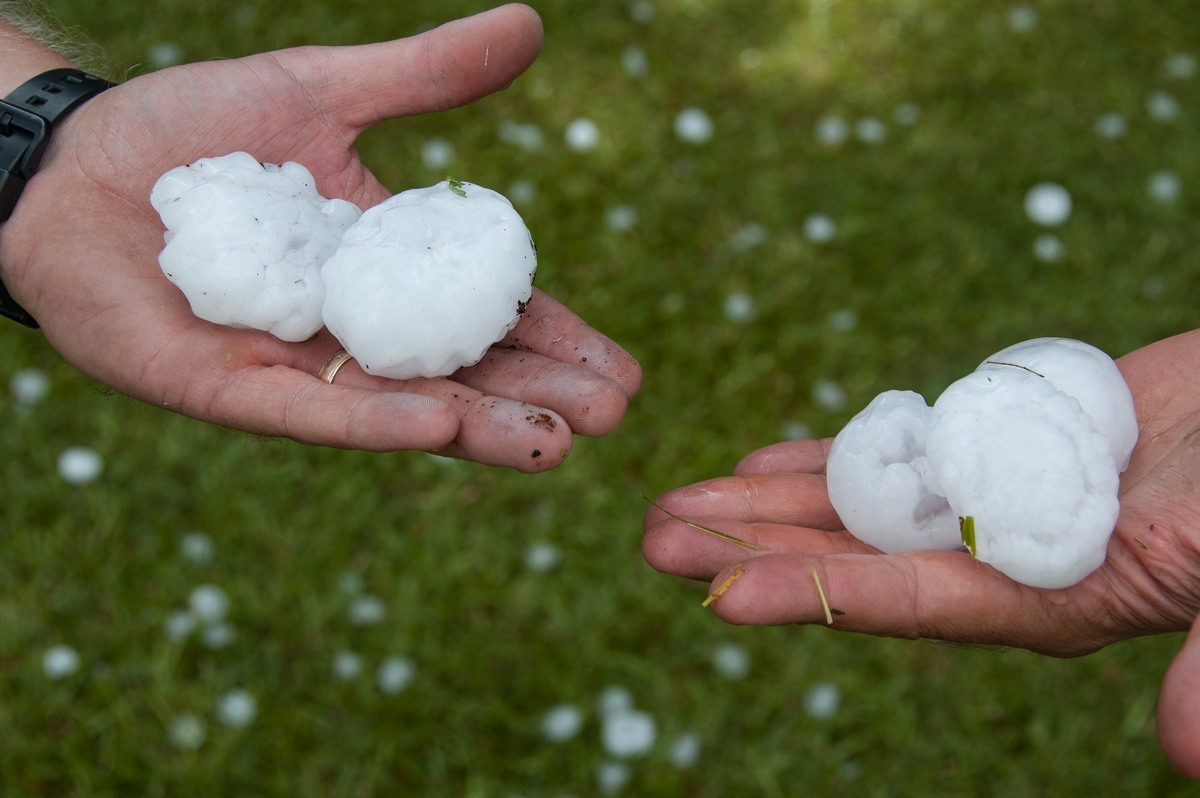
[449, 66]
[1179, 708]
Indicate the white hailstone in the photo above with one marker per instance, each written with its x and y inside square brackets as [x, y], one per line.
[179, 626]
[1181, 65]
[684, 751]
[1164, 187]
[731, 661]
[522, 192]
[614, 699]
[819, 228]
[187, 732]
[562, 723]
[367, 611]
[693, 125]
[740, 307]
[165, 54]
[1162, 106]
[347, 665]
[621, 218]
[641, 11]
[829, 395]
[437, 154]
[795, 431]
[527, 136]
[245, 242]
[748, 237]
[906, 114]
[831, 131]
[1111, 126]
[1048, 204]
[635, 62]
[237, 709]
[217, 636]
[843, 320]
[196, 547]
[1029, 447]
[29, 386]
[628, 733]
[1022, 18]
[582, 135]
[80, 465]
[209, 603]
[611, 777]
[1048, 248]
[395, 675]
[822, 700]
[542, 557]
[60, 662]
[455, 257]
[870, 130]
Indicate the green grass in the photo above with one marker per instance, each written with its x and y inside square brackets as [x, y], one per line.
[933, 254]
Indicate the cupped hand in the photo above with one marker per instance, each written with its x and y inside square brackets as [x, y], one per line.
[80, 253]
[800, 558]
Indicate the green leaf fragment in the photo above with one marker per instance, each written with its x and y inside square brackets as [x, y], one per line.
[966, 528]
[456, 186]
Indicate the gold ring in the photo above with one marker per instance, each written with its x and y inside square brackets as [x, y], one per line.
[335, 362]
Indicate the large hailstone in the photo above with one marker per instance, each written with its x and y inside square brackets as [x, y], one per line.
[426, 281]
[1029, 448]
[245, 242]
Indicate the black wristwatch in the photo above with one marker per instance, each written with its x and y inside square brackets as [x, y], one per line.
[26, 119]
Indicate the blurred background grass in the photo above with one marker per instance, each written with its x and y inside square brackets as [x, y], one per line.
[749, 331]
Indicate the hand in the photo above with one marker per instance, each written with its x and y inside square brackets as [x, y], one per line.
[80, 253]
[1149, 583]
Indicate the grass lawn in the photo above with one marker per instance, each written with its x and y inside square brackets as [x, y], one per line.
[403, 625]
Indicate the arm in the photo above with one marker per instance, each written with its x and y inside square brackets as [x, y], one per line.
[92, 281]
[1150, 582]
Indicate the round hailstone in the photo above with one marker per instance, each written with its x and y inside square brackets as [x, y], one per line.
[209, 603]
[528, 137]
[29, 386]
[870, 130]
[1164, 187]
[562, 723]
[395, 675]
[187, 732]
[831, 131]
[906, 114]
[60, 662]
[1048, 204]
[217, 636]
[740, 307]
[1048, 248]
[641, 11]
[582, 135]
[165, 54]
[1022, 18]
[197, 547]
[428, 280]
[1181, 65]
[347, 665]
[614, 699]
[542, 557]
[693, 125]
[437, 154]
[748, 237]
[1111, 126]
[1162, 106]
[843, 320]
[367, 611]
[179, 626]
[237, 709]
[628, 733]
[635, 62]
[611, 777]
[829, 395]
[822, 700]
[731, 661]
[795, 431]
[819, 228]
[621, 219]
[245, 242]
[80, 465]
[684, 751]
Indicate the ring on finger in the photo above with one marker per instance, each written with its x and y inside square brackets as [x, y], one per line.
[333, 364]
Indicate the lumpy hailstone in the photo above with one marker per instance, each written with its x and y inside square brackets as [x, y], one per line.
[1030, 446]
[245, 242]
[426, 281]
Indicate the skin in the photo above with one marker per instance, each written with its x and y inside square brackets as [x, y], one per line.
[1150, 582]
[93, 282]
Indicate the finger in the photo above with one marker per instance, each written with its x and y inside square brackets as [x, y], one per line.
[1179, 708]
[796, 499]
[801, 457]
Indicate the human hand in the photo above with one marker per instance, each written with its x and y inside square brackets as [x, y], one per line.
[1149, 583]
[80, 253]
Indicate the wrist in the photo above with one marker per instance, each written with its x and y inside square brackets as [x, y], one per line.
[22, 57]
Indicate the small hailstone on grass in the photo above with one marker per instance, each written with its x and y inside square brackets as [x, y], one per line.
[60, 662]
[219, 635]
[187, 732]
[740, 307]
[829, 395]
[843, 320]
[367, 611]
[179, 626]
[395, 674]
[611, 777]
[1181, 65]
[693, 125]
[731, 661]
[1020, 461]
[196, 547]
[245, 242]
[628, 733]
[437, 154]
[870, 130]
[237, 709]
[522, 192]
[1162, 107]
[1164, 186]
[527, 136]
[748, 237]
[1048, 248]
[684, 751]
[165, 54]
[562, 722]
[614, 699]
[1111, 126]
[209, 603]
[29, 386]
[1022, 18]
[455, 258]
[621, 219]
[347, 665]
[582, 135]
[80, 465]
[642, 11]
[906, 114]
[542, 557]
[635, 62]
[795, 431]
[1048, 204]
[822, 700]
[831, 131]
[819, 228]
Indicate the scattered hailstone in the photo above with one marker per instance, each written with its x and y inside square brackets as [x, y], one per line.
[731, 661]
[527, 136]
[1181, 65]
[870, 130]
[822, 700]
[522, 192]
[29, 386]
[562, 723]
[906, 114]
[165, 54]
[1022, 18]
[542, 557]
[641, 11]
[748, 237]
[684, 751]
[1162, 106]
[196, 547]
[187, 732]
[1111, 126]
[843, 320]
[1048, 248]
[1164, 187]
[819, 228]
[60, 662]
[582, 135]
[829, 395]
[831, 131]
[237, 709]
[179, 626]
[1048, 204]
[740, 307]
[367, 611]
[80, 465]
[395, 674]
[795, 431]
[621, 219]
[611, 777]
[693, 125]
[628, 733]
[614, 699]
[437, 154]
[209, 603]
[217, 636]
[347, 665]
[635, 62]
